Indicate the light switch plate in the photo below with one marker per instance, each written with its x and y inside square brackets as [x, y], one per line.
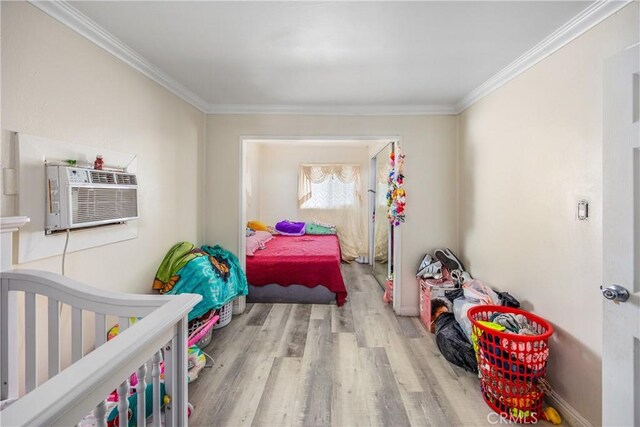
[9, 182]
[583, 210]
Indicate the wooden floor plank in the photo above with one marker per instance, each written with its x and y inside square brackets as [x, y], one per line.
[341, 319]
[461, 404]
[319, 311]
[315, 387]
[412, 328]
[349, 406]
[209, 393]
[276, 407]
[295, 333]
[258, 314]
[351, 274]
[384, 400]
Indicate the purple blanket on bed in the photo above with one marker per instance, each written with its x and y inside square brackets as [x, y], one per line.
[290, 228]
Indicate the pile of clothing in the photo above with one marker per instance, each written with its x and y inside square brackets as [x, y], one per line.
[452, 326]
[453, 330]
[511, 323]
[443, 268]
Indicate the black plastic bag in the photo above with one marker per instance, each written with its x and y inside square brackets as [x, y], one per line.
[454, 294]
[453, 344]
[508, 300]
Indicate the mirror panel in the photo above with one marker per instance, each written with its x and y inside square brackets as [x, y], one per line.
[382, 235]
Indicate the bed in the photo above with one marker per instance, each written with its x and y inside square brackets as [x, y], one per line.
[299, 269]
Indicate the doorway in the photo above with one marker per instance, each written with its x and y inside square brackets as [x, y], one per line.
[373, 146]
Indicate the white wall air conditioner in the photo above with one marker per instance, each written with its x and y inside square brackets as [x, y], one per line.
[78, 197]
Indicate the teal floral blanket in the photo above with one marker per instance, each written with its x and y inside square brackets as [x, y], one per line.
[210, 271]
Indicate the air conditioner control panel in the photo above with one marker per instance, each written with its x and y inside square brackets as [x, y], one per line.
[78, 176]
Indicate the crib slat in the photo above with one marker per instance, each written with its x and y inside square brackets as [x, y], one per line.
[100, 413]
[54, 337]
[180, 403]
[4, 339]
[123, 323]
[155, 375]
[30, 367]
[101, 326]
[170, 382]
[76, 334]
[123, 404]
[142, 398]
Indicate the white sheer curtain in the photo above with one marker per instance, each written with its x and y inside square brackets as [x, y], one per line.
[332, 194]
[318, 174]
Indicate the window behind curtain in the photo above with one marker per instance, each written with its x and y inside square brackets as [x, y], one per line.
[329, 186]
[330, 194]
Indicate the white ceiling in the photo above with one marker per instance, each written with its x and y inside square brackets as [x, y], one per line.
[331, 54]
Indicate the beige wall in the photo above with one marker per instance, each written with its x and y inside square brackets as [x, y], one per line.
[428, 141]
[253, 174]
[58, 85]
[528, 153]
[279, 176]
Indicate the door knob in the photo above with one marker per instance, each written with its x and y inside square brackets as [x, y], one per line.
[615, 293]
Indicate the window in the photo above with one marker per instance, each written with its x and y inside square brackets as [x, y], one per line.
[328, 186]
[331, 193]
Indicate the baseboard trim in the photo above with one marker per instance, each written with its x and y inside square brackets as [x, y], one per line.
[408, 311]
[566, 411]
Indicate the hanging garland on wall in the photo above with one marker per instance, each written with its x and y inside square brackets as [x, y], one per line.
[396, 193]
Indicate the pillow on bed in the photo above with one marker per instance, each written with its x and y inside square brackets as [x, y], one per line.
[319, 229]
[257, 225]
[257, 241]
[263, 236]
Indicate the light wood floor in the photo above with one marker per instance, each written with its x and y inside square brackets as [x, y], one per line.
[320, 365]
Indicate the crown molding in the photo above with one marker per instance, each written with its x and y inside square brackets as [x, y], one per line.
[80, 23]
[335, 110]
[77, 21]
[581, 23]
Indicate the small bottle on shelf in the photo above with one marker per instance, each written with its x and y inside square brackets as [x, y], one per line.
[99, 163]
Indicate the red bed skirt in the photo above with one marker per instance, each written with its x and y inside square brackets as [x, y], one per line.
[299, 260]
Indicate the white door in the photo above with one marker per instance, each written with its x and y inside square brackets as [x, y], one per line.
[621, 240]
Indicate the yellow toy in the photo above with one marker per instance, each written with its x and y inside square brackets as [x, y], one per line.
[257, 226]
[551, 415]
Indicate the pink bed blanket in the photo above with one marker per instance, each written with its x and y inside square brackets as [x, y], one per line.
[299, 260]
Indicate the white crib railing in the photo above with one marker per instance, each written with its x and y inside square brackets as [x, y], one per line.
[69, 395]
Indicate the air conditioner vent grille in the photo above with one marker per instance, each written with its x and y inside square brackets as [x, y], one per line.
[103, 204]
[126, 179]
[102, 177]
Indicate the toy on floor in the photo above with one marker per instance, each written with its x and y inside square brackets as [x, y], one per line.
[388, 291]
[196, 361]
[113, 420]
[551, 415]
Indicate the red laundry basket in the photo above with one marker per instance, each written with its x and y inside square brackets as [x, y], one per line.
[510, 365]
